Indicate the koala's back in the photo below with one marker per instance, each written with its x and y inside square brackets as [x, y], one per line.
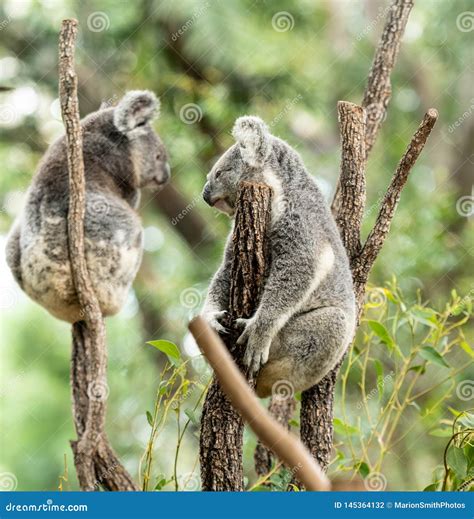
[334, 286]
[113, 242]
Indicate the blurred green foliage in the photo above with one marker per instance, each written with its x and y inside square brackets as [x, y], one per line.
[226, 59]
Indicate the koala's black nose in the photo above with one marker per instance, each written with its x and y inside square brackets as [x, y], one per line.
[206, 194]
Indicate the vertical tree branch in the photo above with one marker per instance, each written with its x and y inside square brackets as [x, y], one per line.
[317, 402]
[378, 90]
[221, 425]
[94, 459]
[352, 124]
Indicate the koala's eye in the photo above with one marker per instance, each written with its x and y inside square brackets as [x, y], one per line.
[140, 124]
[158, 156]
[218, 174]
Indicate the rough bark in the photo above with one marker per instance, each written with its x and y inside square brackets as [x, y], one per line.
[221, 425]
[96, 464]
[282, 410]
[378, 90]
[352, 123]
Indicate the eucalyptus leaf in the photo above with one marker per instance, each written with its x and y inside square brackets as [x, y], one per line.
[430, 354]
[382, 333]
[168, 348]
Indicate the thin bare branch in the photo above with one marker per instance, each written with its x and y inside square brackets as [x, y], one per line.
[378, 90]
[389, 204]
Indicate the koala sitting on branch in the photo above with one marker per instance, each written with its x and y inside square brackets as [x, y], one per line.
[306, 316]
[122, 154]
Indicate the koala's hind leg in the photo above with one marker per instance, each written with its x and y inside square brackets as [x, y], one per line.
[305, 350]
[13, 253]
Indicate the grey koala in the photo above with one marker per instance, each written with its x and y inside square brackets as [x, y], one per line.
[122, 154]
[306, 317]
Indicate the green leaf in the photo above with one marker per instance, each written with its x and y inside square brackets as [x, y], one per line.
[192, 416]
[345, 429]
[363, 469]
[457, 461]
[419, 367]
[469, 453]
[168, 348]
[382, 333]
[161, 482]
[467, 420]
[426, 316]
[149, 418]
[465, 346]
[430, 354]
[431, 488]
[294, 423]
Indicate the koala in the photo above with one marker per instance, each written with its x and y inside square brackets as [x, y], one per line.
[306, 316]
[122, 154]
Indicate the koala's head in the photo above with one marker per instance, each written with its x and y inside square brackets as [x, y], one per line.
[245, 160]
[132, 119]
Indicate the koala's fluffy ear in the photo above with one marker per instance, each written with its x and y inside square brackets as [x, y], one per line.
[136, 108]
[254, 139]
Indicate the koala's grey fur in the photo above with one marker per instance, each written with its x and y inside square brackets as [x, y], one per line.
[306, 316]
[122, 154]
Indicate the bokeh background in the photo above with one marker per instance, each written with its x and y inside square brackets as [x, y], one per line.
[211, 61]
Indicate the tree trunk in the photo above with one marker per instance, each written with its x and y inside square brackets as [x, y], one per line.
[221, 426]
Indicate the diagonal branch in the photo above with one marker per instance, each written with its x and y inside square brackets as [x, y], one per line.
[378, 90]
[95, 461]
[389, 204]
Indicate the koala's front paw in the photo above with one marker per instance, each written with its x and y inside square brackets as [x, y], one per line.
[258, 345]
[213, 319]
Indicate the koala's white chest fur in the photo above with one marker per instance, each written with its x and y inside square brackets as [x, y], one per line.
[279, 203]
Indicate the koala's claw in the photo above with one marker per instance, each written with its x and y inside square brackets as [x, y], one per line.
[213, 318]
[256, 355]
[240, 324]
[257, 345]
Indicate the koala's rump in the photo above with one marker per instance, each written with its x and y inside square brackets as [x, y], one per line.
[113, 246]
